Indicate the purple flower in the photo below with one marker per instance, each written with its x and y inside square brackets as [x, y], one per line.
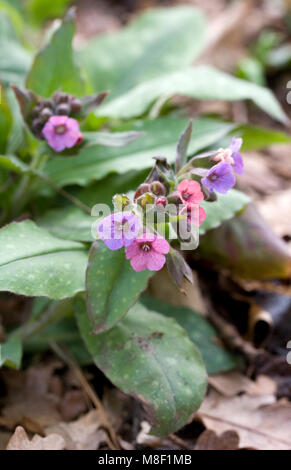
[231, 156]
[219, 178]
[148, 252]
[62, 132]
[238, 163]
[119, 229]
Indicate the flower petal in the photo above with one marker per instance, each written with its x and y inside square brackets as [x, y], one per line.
[139, 262]
[238, 165]
[155, 261]
[160, 245]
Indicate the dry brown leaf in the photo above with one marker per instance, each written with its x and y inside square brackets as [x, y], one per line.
[232, 383]
[260, 421]
[20, 441]
[208, 440]
[28, 401]
[73, 404]
[82, 434]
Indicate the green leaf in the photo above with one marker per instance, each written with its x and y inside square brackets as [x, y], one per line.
[11, 353]
[13, 163]
[41, 10]
[246, 247]
[93, 163]
[182, 147]
[151, 357]
[156, 42]
[202, 82]
[112, 286]
[54, 67]
[68, 223]
[35, 263]
[111, 139]
[226, 206]
[256, 138]
[14, 59]
[5, 120]
[203, 335]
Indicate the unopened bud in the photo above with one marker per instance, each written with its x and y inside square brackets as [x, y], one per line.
[142, 189]
[146, 199]
[174, 198]
[60, 97]
[76, 105]
[120, 201]
[161, 201]
[45, 114]
[63, 109]
[158, 188]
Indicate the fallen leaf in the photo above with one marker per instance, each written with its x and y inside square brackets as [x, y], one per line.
[28, 402]
[260, 421]
[232, 383]
[208, 440]
[82, 434]
[20, 441]
[73, 404]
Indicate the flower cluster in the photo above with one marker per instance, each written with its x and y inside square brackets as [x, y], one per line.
[168, 206]
[51, 120]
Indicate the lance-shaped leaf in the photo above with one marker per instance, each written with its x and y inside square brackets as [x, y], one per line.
[224, 208]
[151, 357]
[112, 286]
[54, 66]
[247, 247]
[27, 100]
[182, 147]
[111, 139]
[202, 82]
[91, 102]
[33, 262]
[178, 268]
[11, 353]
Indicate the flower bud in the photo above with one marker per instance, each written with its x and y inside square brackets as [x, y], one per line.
[158, 188]
[120, 201]
[45, 114]
[174, 198]
[63, 109]
[146, 199]
[76, 105]
[142, 189]
[161, 201]
[60, 97]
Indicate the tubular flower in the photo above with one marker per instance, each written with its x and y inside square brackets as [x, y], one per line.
[119, 229]
[62, 132]
[148, 252]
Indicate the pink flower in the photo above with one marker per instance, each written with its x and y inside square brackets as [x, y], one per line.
[195, 214]
[190, 192]
[62, 132]
[148, 252]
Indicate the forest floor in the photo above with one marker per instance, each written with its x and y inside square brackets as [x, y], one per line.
[57, 402]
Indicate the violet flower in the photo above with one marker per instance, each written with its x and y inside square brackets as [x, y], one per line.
[148, 252]
[235, 147]
[219, 178]
[119, 229]
[62, 132]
